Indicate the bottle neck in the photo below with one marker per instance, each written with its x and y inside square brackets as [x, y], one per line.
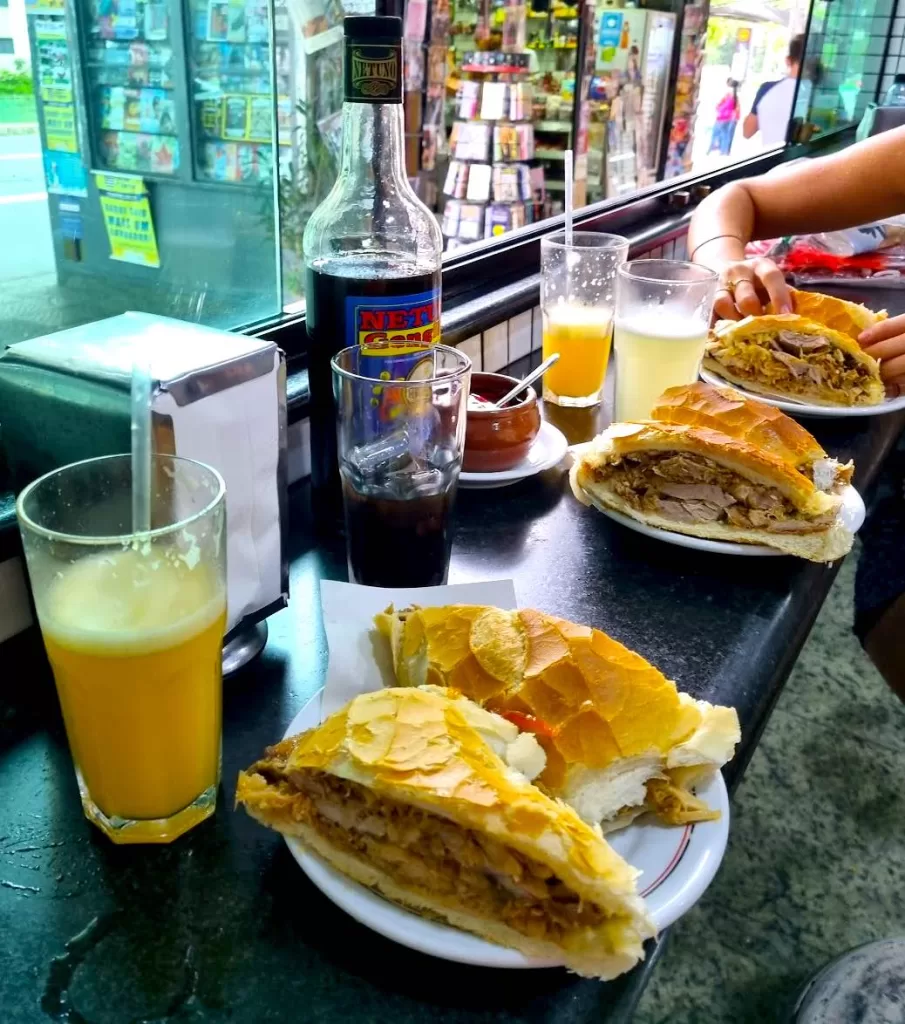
[372, 145]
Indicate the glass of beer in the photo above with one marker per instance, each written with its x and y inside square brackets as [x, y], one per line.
[577, 283]
[400, 453]
[133, 626]
[663, 310]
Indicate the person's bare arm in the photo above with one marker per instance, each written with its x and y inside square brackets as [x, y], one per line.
[856, 186]
[750, 125]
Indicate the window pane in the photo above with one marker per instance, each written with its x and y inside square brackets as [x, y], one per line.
[842, 62]
[142, 177]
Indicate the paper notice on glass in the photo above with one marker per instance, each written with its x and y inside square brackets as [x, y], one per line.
[359, 657]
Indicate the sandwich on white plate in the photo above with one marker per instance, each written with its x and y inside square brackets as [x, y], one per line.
[619, 738]
[407, 791]
[811, 355]
[713, 463]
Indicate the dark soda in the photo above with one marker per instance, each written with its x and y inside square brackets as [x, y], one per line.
[332, 288]
[398, 542]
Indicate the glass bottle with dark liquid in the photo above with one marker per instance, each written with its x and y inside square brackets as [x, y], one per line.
[372, 248]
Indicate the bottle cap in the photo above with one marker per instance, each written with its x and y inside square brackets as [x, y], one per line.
[899, 80]
[378, 28]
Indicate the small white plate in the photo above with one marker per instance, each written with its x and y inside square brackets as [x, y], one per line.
[677, 865]
[851, 513]
[548, 448]
[795, 408]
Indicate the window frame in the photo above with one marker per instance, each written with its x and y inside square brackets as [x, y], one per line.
[473, 277]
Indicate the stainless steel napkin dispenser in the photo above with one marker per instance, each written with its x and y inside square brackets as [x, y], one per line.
[217, 397]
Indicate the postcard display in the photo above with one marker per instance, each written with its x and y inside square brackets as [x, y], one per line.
[492, 183]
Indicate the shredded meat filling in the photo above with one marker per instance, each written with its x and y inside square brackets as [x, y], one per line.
[691, 488]
[799, 362]
[426, 852]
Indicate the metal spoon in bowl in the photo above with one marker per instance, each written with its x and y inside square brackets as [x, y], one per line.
[530, 379]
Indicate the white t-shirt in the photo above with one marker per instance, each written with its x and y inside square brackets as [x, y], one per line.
[774, 111]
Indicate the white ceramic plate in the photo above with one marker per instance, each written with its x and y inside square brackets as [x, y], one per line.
[677, 865]
[547, 450]
[794, 408]
[852, 515]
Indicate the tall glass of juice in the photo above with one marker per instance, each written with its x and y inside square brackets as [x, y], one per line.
[577, 287]
[133, 626]
[663, 310]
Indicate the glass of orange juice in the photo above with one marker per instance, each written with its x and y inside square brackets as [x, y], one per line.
[577, 285]
[133, 626]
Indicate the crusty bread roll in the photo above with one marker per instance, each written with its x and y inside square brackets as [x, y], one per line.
[399, 792]
[760, 354]
[726, 410]
[733, 491]
[849, 318]
[609, 721]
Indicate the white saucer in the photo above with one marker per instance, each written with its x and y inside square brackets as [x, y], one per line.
[677, 864]
[796, 408]
[851, 513]
[547, 450]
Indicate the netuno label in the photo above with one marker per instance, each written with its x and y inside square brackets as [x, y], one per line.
[393, 325]
[373, 73]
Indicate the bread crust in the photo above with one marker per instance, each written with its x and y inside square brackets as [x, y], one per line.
[600, 703]
[850, 318]
[756, 423]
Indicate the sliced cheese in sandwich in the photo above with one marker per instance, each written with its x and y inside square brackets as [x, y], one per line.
[401, 792]
[610, 723]
[705, 483]
[791, 356]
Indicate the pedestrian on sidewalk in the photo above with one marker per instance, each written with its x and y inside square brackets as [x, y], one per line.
[728, 112]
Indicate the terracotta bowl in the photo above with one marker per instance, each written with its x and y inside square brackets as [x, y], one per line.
[499, 439]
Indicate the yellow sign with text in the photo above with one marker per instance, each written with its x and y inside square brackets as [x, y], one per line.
[59, 127]
[127, 217]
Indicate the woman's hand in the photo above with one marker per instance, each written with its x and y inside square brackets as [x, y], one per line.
[885, 341]
[747, 286]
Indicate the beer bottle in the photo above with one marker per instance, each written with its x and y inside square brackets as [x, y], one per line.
[372, 248]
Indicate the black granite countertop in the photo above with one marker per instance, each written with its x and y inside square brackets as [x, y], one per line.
[223, 925]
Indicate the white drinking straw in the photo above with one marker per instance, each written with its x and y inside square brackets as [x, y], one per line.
[141, 446]
[568, 197]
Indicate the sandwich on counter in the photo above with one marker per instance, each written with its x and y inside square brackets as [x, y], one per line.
[811, 355]
[405, 791]
[712, 463]
[619, 738]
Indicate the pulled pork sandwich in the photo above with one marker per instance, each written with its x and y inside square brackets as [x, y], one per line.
[799, 355]
[713, 475]
[402, 793]
[618, 736]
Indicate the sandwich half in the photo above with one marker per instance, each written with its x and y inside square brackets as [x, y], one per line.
[763, 426]
[704, 483]
[400, 792]
[849, 318]
[787, 355]
[618, 736]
